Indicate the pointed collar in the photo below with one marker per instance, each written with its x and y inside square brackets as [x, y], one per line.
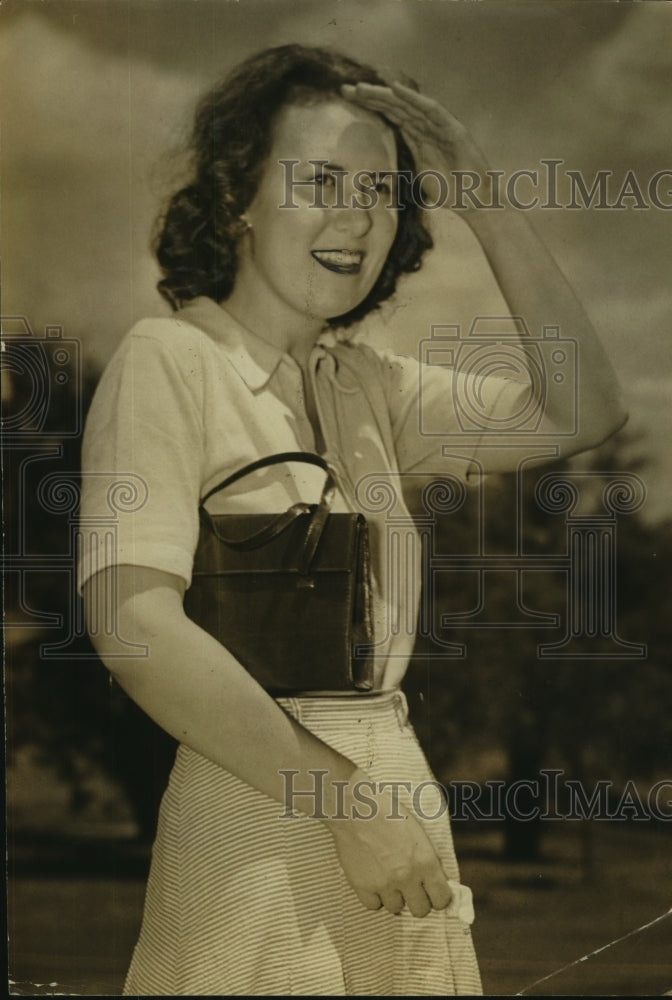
[254, 359]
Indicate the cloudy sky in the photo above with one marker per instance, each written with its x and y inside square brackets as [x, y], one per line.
[97, 93]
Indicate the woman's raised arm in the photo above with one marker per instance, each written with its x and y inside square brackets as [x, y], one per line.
[530, 280]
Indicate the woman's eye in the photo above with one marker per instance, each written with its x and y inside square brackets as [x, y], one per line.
[325, 180]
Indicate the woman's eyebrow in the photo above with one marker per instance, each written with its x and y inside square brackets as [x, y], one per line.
[336, 168]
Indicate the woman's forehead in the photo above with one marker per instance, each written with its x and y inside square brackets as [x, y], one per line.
[334, 130]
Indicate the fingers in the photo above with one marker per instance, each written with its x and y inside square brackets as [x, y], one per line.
[430, 891]
[401, 102]
[416, 102]
[421, 119]
[371, 900]
[393, 901]
[392, 866]
[381, 100]
[417, 900]
[438, 891]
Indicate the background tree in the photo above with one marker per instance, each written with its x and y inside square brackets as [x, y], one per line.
[65, 712]
[595, 719]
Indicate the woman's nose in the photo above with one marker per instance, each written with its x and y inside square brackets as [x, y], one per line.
[350, 220]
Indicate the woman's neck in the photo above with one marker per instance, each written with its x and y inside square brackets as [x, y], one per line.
[292, 333]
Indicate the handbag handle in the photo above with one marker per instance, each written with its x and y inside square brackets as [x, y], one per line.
[317, 522]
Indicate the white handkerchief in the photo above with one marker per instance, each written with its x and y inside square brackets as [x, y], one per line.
[462, 903]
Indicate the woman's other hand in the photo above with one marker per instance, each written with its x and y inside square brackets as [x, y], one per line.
[438, 141]
[386, 856]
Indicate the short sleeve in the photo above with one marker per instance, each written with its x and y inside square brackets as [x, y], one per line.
[440, 416]
[142, 456]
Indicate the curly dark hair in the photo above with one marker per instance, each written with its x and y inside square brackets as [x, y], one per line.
[196, 242]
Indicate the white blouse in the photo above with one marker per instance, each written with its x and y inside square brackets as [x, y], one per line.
[189, 399]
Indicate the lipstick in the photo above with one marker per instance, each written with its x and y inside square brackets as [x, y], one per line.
[340, 261]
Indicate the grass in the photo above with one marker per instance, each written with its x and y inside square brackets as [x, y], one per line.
[72, 934]
[534, 919]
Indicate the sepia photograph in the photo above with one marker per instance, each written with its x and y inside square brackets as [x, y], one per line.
[336, 409]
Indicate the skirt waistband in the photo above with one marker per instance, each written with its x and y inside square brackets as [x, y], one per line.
[306, 708]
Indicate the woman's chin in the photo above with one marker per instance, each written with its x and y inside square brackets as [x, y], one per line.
[328, 308]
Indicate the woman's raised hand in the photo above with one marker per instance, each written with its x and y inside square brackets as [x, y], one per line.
[437, 139]
[533, 286]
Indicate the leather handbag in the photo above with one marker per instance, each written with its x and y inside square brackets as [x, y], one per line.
[289, 594]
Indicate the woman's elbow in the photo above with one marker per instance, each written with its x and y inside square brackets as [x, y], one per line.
[612, 420]
[594, 432]
[116, 638]
[126, 610]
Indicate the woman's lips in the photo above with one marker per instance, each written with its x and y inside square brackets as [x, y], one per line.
[340, 261]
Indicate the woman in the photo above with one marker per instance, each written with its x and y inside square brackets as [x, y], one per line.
[298, 221]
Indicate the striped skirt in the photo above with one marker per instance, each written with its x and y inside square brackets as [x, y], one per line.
[241, 901]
